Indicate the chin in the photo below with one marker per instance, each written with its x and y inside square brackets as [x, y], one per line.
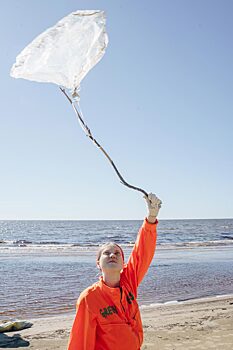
[113, 267]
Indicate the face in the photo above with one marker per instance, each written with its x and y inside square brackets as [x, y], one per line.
[111, 259]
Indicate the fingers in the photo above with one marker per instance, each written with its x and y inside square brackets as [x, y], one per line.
[153, 200]
[154, 204]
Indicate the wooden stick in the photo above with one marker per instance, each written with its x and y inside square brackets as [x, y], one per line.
[89, 134]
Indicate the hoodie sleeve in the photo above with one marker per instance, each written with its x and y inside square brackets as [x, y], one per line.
[83, 332]
[142, 254]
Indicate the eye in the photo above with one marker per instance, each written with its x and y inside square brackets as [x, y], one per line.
[117, 253]
[106, 252]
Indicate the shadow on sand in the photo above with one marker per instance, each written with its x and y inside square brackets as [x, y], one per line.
[15, 341]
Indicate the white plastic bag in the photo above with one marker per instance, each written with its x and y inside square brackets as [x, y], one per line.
[66, 52]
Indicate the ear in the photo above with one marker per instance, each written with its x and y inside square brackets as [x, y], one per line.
[98, 265]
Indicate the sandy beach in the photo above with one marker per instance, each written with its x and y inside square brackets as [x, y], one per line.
[199, 324]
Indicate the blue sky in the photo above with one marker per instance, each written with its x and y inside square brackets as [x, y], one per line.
[160, 102]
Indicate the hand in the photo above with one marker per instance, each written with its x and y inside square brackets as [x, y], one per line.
[154, 204]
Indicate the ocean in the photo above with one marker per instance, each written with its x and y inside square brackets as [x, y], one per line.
[44, 265]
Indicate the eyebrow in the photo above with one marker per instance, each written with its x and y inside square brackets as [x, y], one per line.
[108, 251]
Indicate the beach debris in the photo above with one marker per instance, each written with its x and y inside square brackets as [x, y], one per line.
[12, 342]
[12, 326]
[63, 55]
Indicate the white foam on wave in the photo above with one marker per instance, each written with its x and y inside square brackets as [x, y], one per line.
[194, 244]
[24, 247]
[172, 302]
[154, 305]
[46, 250]
[224, 296]
[193, 300]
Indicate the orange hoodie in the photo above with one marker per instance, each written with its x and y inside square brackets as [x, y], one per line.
[109, 318]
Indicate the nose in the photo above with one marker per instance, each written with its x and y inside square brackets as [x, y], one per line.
[112, 255]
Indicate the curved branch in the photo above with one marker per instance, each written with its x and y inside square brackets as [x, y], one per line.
[89, 134]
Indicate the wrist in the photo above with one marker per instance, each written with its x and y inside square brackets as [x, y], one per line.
[151, 219]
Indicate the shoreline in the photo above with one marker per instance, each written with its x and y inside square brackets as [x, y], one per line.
[204, 323]
[142, 307]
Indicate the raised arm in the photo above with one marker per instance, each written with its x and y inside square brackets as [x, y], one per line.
[144, 248]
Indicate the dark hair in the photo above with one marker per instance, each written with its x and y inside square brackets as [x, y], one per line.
[102, 247]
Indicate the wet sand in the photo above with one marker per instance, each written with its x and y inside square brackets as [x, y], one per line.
[198, 324]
